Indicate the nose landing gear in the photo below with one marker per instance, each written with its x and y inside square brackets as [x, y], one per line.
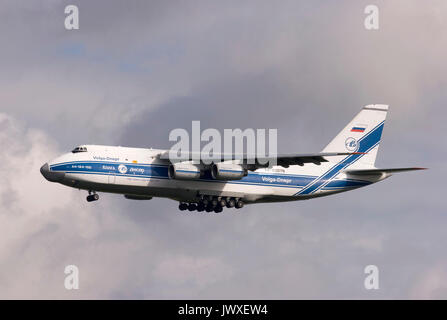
[92, 196]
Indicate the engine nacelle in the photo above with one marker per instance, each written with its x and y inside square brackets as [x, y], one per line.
[227, 171]
[184, 171]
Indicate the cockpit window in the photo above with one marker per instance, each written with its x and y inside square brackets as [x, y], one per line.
[79, 149]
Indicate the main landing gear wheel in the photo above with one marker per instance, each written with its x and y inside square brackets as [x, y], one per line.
[222, 203]
[183, 206]
[239, 204]
[93, 197]
[230, 203]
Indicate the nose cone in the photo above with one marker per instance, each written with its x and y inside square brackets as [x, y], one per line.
[53, 176]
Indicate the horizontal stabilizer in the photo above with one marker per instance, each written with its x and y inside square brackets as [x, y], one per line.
[370, 172]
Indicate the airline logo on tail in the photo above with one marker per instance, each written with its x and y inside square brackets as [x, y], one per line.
[351, 144]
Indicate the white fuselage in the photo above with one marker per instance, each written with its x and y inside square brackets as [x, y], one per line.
[140, 172]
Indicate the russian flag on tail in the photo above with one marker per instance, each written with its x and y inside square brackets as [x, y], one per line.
[358, 128]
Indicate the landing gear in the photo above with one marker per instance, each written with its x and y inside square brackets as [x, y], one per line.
[92, 196]
[183, 206]
[222, 202]
[200, 207]
[211, 204]
[231, 203]
[239, 204]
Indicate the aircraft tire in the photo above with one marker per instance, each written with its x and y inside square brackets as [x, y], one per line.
[92, 197]
[239, 204]
[182, 206]
[230, 203]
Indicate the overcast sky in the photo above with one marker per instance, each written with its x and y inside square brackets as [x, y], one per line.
[137, 69]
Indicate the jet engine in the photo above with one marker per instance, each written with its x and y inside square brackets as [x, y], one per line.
[184, 171]
[227, 171]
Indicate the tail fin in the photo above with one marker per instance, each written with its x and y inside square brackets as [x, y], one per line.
[362, 134]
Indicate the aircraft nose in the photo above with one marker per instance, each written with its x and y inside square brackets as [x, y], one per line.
[52, 176]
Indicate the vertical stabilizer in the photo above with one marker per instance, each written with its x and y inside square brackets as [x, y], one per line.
[362, 134]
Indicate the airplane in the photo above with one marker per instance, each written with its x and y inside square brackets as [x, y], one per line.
[345, 164]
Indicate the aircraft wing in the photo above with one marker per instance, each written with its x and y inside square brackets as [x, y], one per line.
[370, 172]
[283, 160]
[286, 160]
